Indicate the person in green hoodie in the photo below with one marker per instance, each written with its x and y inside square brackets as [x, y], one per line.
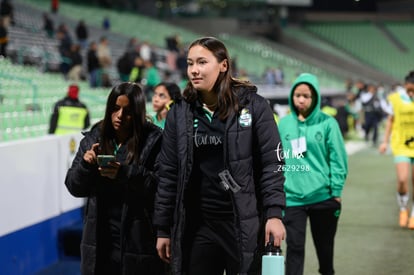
[316, 167]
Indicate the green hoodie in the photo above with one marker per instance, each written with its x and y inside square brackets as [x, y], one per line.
[317, 171]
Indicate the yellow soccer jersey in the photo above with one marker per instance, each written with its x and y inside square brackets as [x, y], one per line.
[402, 132]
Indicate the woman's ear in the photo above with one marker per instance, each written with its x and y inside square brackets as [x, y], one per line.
[224, 66]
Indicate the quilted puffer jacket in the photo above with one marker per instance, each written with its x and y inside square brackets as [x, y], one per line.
[250, 144]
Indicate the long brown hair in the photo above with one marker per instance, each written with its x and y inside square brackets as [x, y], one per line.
[227, 100]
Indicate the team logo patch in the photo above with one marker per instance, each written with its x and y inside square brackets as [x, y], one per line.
[318, 136]
[245, 119]
[72, 145]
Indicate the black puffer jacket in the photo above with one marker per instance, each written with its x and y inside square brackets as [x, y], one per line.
[138, 253]
[251, 140]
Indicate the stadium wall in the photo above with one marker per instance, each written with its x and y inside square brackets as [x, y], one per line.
[35, 203]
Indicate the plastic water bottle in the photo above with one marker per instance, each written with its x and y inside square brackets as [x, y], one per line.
[273, 262]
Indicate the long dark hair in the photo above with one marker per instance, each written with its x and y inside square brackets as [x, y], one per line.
[138, 112]
[227, 100]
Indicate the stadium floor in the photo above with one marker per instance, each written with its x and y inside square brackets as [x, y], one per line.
[67, 267]
[369, 240]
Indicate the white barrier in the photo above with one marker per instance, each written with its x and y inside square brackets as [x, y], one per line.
[32, 175]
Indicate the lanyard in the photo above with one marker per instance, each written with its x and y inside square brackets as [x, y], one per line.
[116, 146]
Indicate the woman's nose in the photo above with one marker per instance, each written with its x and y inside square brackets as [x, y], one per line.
[194, 70]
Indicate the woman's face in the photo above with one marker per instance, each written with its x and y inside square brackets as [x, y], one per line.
[302, 99]
[203, 68]
[410, 90]
[160, 98]
[122, 114]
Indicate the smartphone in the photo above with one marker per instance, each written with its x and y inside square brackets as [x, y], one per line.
[104, 160]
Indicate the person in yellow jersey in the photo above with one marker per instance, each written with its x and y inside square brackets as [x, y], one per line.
[69, 115]
[399, 132]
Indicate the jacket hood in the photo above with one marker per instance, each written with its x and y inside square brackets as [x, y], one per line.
[311, 80]
[244, 93]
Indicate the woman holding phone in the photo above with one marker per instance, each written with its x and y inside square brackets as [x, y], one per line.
[117, 235]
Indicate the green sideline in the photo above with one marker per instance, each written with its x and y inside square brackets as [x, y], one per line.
[369, 240]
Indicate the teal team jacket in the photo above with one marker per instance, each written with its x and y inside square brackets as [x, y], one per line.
[316, 163]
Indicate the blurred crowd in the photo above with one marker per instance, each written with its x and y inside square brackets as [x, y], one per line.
[363, 110]
[86, 59]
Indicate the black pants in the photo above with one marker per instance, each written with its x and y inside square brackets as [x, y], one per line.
[3, 49]
[323, 219]
[371, 123]
[212, 248]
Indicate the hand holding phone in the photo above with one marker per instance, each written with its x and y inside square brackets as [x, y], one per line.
[104, 160]
[108, 167]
